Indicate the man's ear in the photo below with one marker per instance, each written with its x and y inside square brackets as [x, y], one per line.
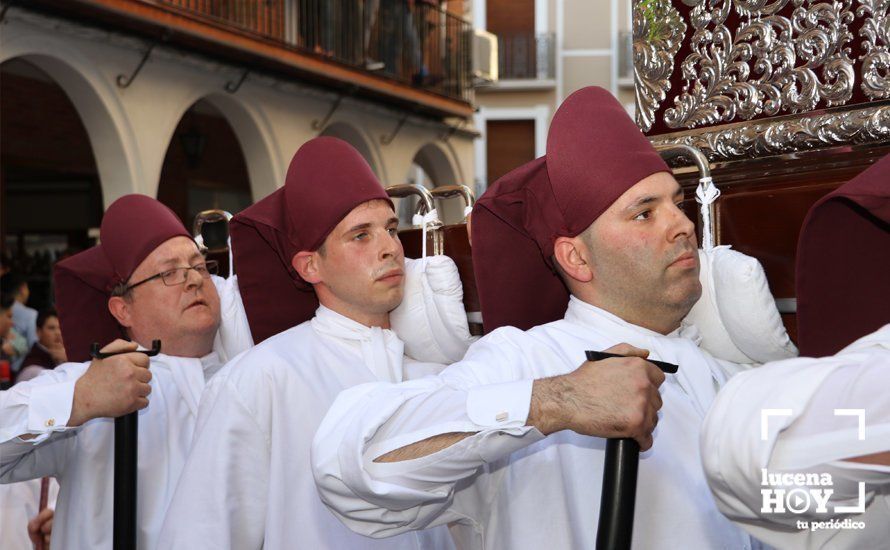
[571, 255]
[307, 265]
[120, 310]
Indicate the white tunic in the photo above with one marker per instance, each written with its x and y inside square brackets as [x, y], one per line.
[781, 419]
[248, 482]
[546, 494]
[82, 458]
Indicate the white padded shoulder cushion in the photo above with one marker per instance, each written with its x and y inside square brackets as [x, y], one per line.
[431, 319]
[234, 335]
[736, 315]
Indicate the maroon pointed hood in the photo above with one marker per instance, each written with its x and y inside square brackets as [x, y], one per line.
[326, 179]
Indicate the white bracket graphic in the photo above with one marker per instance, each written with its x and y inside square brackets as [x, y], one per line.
[854, 412]
[859, 508]
[765, 414]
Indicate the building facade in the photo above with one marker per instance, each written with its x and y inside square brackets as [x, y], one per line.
[202, 104]
[547, 49]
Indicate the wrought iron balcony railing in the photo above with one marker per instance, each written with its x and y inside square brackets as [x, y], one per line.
[416, 43]
[526, 56]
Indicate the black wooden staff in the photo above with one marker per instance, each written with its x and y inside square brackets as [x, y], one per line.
[616, 522]
[126, 447]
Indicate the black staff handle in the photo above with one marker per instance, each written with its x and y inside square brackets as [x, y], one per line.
[126, 448]
[616, 521]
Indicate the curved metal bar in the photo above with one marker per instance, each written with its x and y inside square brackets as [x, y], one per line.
[680, 150]
[209, 216]
[124, 81]
[233, 87]
[320, 124]
[387, 139]
[448, 191]
[401, 190]
[677, 150]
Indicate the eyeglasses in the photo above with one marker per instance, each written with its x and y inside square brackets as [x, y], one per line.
[179, 275]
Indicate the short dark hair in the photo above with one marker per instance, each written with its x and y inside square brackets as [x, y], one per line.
[120, 290]
[6, 300]
[11, 282]
[45, 315]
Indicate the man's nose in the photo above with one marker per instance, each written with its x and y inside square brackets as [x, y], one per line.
[682, 227]
[390, 246]
[193, 279]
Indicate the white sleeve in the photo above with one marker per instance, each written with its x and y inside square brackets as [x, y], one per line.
[847, 416]
[221, 498]
[484, 395]
[780, 419]
[22, 460]
[40, 406]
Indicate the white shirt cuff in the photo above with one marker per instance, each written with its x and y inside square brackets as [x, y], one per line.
[50, 409]
[491, 412]
[504, 405]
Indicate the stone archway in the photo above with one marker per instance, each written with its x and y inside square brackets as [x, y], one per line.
[204, 166]
[96, 104]
[49, 181]
[433, 161]
[255, 138]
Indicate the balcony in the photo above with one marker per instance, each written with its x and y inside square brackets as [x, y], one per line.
[418, 58]
[526, 61]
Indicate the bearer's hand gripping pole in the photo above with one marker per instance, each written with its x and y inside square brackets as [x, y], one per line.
[616, 520]
[126, 446]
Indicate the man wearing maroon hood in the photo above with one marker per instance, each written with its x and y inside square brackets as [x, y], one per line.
[146, 281]
[323, 254]
[589, 246]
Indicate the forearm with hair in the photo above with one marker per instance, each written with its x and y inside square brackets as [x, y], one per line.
[550, 398]
[425, 447]
[882, 459]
